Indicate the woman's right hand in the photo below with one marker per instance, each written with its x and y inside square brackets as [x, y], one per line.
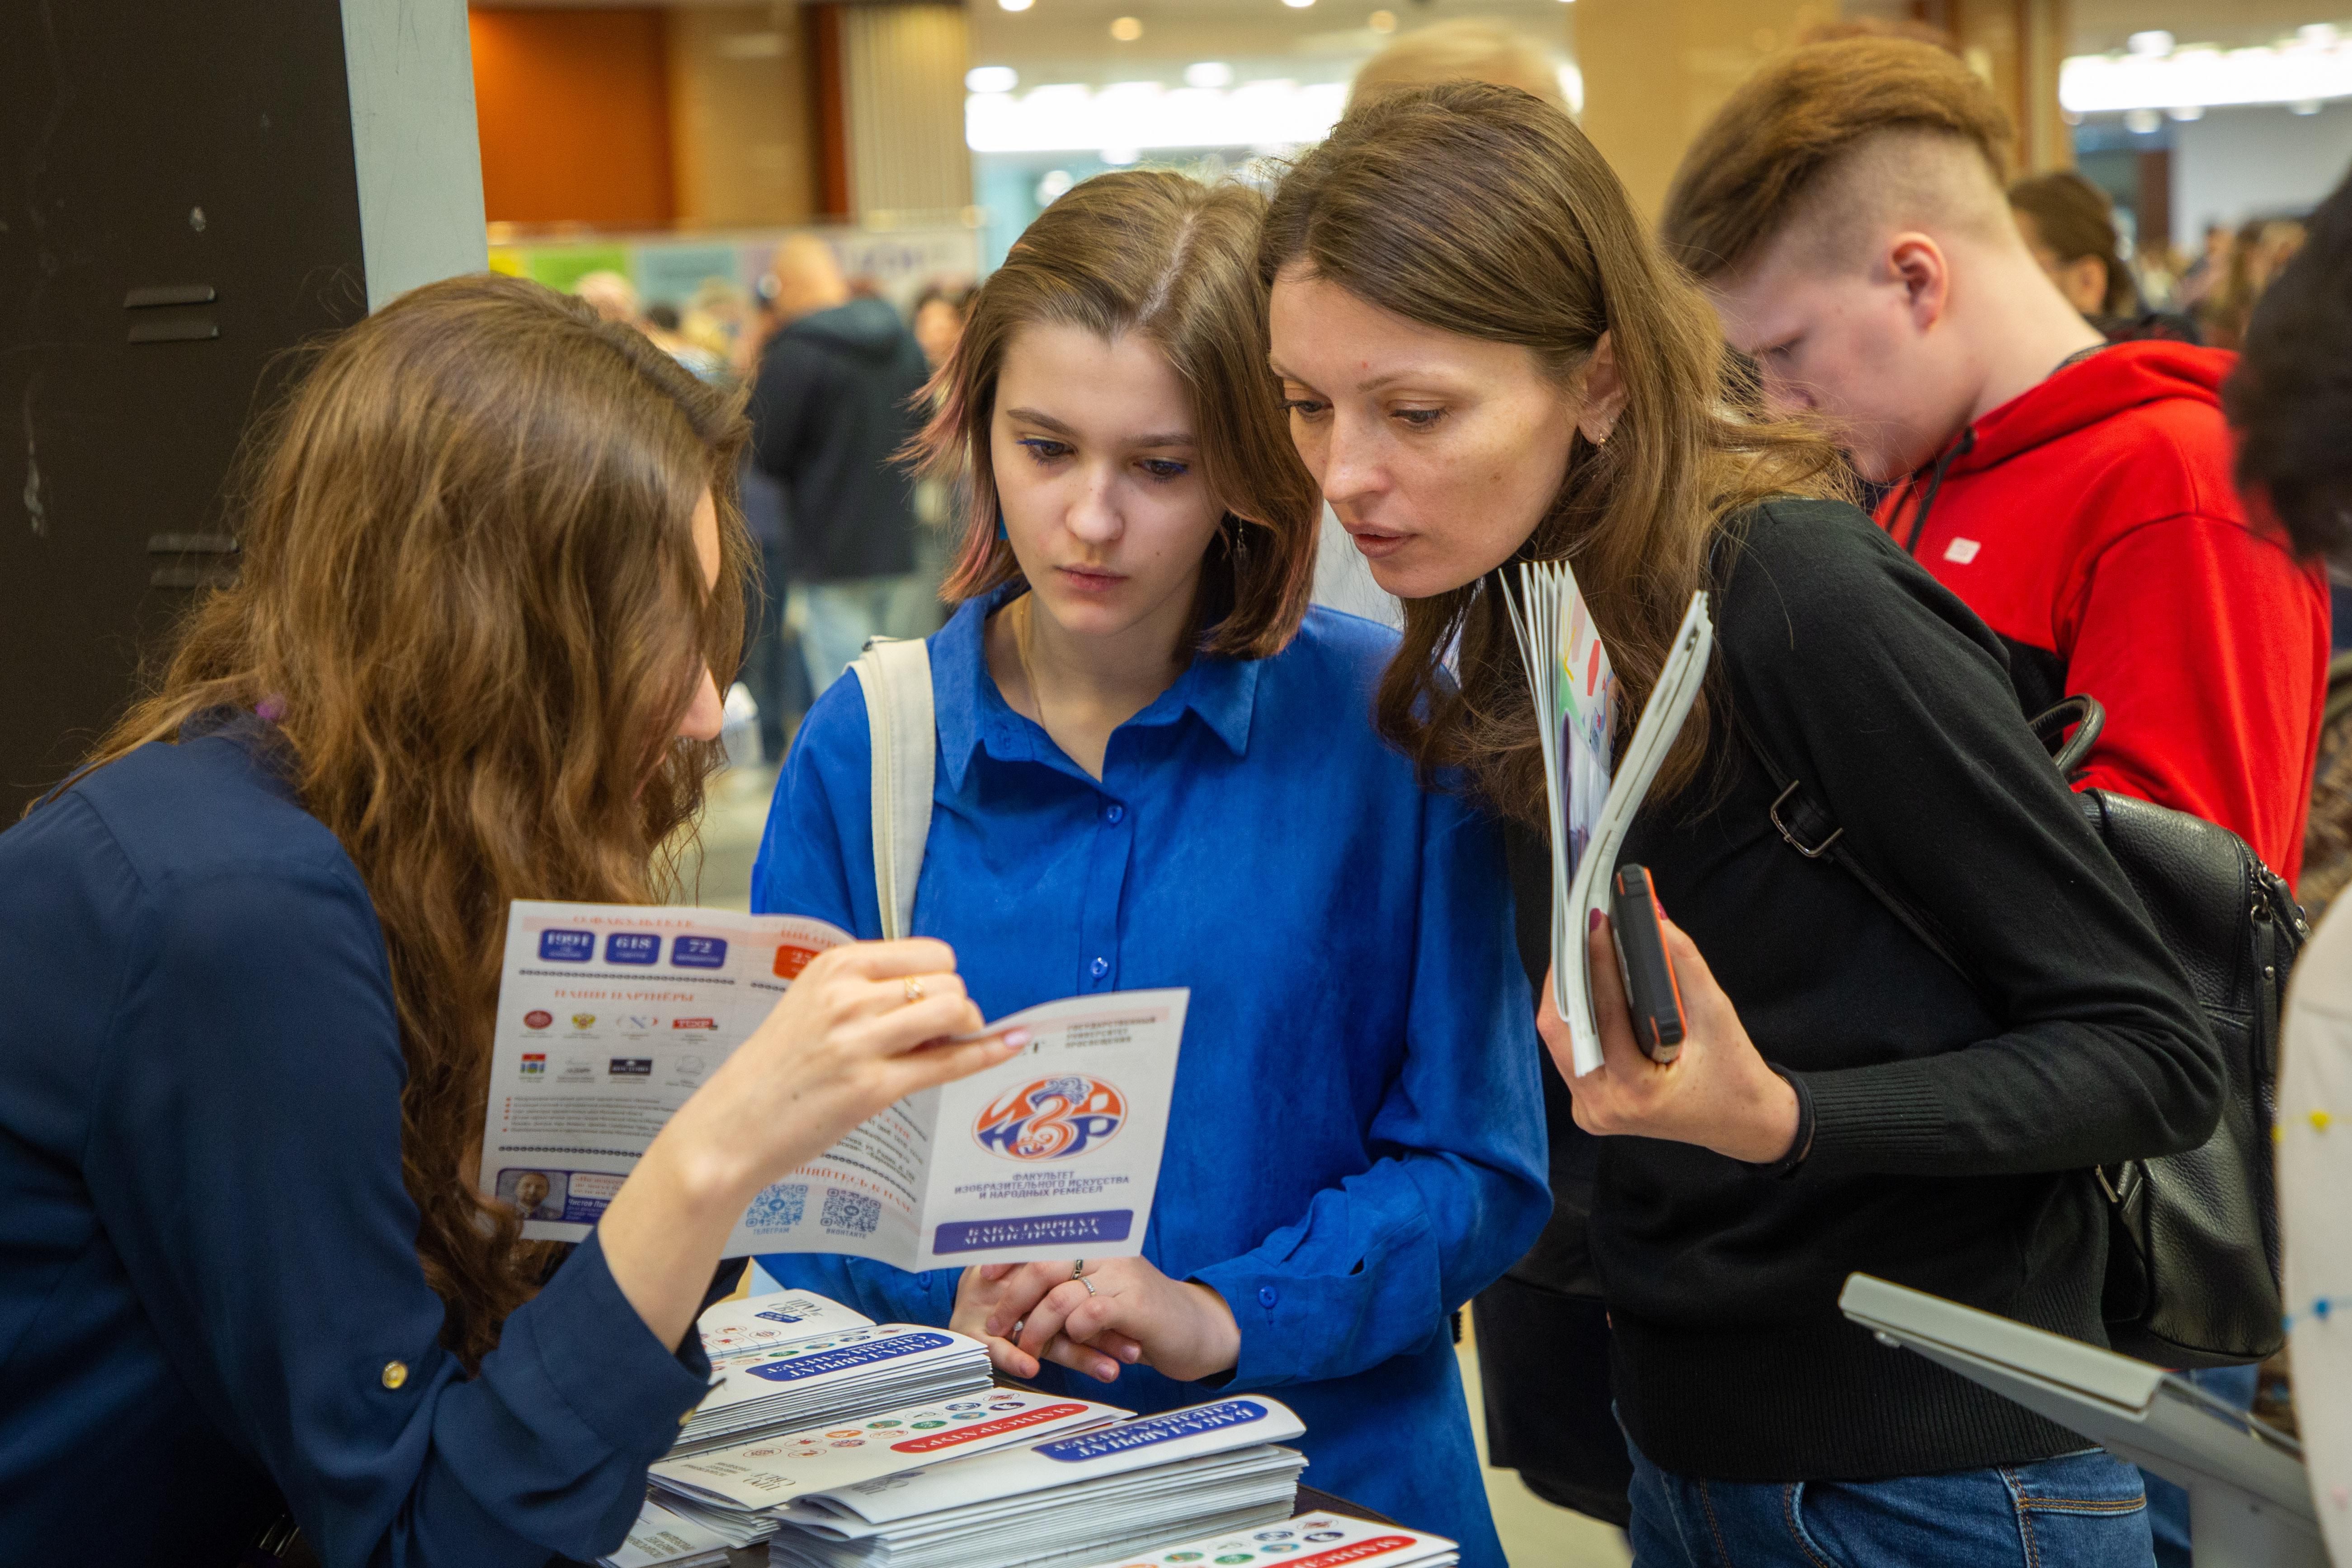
[855, 1033]
[863, 1026]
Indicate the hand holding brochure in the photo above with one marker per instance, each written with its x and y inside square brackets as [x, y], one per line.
[1575, 692]
[611, 1015]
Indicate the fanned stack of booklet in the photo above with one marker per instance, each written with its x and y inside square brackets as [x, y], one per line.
[885, 1449]
[1592, 805]
[1310, 1540]
[1064, 1502]
[741, 1489]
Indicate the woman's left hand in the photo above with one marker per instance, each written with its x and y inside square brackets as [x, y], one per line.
[1123, 1311]
[1718, 1093]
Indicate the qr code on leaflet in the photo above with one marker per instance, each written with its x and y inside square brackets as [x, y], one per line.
[850, 1213]
[778, 1208]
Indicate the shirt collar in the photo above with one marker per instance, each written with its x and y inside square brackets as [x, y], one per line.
[972, 713]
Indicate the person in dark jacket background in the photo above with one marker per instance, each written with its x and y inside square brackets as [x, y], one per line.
[832, 401]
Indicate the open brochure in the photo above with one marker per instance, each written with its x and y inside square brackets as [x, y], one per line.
[1593, 806]
[610, 1015]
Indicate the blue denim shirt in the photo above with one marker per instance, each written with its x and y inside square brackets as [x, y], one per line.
[1357, 1143]
[209, 1290]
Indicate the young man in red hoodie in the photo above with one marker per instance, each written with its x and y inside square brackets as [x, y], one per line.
[1845, 211]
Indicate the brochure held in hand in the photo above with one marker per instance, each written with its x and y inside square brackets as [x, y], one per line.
[611, 1015]
[1592, 803]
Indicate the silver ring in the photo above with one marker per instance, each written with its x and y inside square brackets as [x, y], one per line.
[1087, 1283]
[914, 989]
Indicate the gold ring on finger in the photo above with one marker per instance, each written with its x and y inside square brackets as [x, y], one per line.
[914, 989]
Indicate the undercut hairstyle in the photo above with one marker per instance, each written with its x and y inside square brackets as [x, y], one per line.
[1483, 212]
[2074, 218]
[2290, 399]
[470, 601]
[1172, 260]
[1844, 137]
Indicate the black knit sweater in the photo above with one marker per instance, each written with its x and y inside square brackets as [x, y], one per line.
[1953, 1130]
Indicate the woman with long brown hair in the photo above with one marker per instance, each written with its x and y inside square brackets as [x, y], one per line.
[1153, 769]
[1487, 361]
[490, 560]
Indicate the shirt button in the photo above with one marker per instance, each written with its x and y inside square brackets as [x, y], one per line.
[1098, 968]
[395, 1373]
[1265, 1297]
[1114, 814]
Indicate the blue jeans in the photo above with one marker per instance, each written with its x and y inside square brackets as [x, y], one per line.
[839, 616]
[2081, 1510]
[2168, 1505]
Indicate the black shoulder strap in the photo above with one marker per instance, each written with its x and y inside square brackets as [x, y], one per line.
[1806, 825]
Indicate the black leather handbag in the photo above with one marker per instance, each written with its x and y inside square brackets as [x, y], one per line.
[2193, 1274]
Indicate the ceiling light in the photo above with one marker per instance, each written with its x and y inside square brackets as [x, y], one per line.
[991, 79]
[1013, 4]
[2311, 68]
[1144, 116]
[1126, 29]
[1209, 73]
[1299, 4]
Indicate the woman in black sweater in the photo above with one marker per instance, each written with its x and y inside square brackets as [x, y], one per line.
[1486, 362]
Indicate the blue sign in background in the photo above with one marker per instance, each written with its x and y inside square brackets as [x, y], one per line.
[1153, 1429]
[847, 1356]
[567, 946]
[1040, 1230]
[631, 947]
[698, 953]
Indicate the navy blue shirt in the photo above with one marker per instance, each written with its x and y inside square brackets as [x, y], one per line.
[207, 1259]
[1357, 1142]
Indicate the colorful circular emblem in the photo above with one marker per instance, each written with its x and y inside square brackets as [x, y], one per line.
[1051, 1118]
[537, 1019]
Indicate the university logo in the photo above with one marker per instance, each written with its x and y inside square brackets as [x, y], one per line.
[1051, 1118]
[537, 1019]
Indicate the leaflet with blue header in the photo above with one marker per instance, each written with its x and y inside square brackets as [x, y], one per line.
[768, 1471]
[1219, 1427]
[611, 1015]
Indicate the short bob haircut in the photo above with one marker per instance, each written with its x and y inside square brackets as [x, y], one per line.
[1155, 253]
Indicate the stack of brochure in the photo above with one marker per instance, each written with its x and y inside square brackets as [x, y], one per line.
[830, 1379]
[1310, 1540]
[1070, 1501]
[662, 1539]
[777, 1364]
[736, 1492]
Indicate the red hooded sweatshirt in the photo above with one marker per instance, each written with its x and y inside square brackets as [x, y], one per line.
[2093, 523]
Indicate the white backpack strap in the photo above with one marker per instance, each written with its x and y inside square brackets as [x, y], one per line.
[896, 677]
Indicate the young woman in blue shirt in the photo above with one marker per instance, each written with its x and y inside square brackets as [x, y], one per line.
[1157, 767]
[247, 1280]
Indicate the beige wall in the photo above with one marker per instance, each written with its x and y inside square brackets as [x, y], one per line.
[902, 82]
[1656, 71]
[741, 125]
